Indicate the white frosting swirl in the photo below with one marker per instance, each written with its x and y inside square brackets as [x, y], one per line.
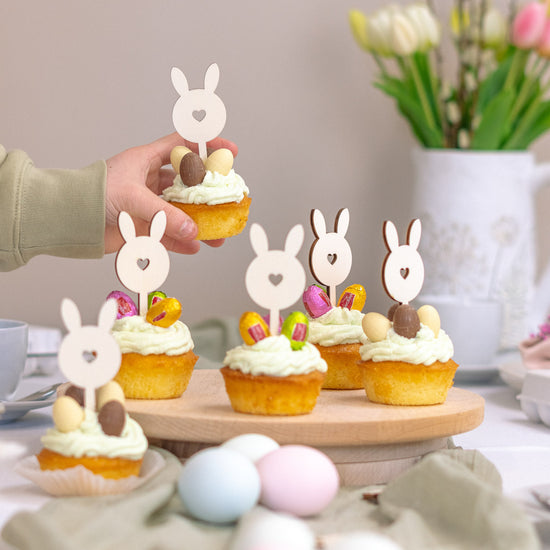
[135, 335]
[275, 357]
[90, 440]
[340, 325]
[423, 349]
[214, 189]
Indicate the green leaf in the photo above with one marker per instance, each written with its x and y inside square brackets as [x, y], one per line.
[493, 128]
[493, 84]
[538, 123]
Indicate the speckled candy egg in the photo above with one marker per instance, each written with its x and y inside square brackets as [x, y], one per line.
[297, 480]
[218, 485]
[253, 446]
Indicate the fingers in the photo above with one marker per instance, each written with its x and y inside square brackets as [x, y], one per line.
[215, 244]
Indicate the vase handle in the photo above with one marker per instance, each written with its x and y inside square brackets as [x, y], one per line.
[541, 177]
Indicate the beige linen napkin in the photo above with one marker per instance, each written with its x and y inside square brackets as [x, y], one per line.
[449, 500]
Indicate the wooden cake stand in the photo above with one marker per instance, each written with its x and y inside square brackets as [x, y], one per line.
[369, 443]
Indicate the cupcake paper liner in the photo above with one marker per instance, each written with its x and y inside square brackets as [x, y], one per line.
[80, 481]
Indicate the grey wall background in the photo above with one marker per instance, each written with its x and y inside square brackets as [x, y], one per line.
[84, 80]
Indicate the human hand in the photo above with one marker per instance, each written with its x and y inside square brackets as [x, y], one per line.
[135, 178]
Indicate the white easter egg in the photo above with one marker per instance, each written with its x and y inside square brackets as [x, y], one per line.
[429, 316]
[253, 446]
[67, 414]
[375, 326]
[218, 485]
[109, 392]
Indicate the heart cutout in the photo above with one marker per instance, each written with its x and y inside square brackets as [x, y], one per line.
[143, 263]
[89, 356]
[332, 258]
[404, 271]
[199, 115]
[275, 279]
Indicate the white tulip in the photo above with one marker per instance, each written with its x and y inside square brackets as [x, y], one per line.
[427, 27]
[494, 29]
[404, 39]
[379, 27]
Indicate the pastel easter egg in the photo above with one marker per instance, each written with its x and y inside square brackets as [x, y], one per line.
[375, 326]
[353, 297]
[154, 297]
[220, 160]
[297, 480]
[316, 301]
[112, 418]
[429, 316]
[405, 321]
[67, 414]
[109, 392]
[252, 327]
[253, 446]
[164, 313]
[176, 155]
[296, 329]
[219, 485]
[126, 306]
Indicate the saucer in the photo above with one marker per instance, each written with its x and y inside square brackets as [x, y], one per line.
[12, 410]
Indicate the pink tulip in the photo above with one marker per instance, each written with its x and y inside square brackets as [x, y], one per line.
[528, 25]
[543, 47]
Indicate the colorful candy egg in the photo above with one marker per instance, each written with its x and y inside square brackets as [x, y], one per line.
[296, 329]
[253, 328]
[353, 297]
[316, 301]
[67, 414]
[375, 326]
[154, 297]
[164, 313]
[126, 306]
[429, 316]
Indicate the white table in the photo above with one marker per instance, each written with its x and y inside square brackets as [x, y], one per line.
[520, 449]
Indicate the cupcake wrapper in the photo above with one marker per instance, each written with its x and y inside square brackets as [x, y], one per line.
[80, 481]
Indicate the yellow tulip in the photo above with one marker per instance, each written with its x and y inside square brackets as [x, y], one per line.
[456, 23]
[358, 24]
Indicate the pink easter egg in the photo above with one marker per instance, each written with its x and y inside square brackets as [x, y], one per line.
[316, 301]
[297, 480]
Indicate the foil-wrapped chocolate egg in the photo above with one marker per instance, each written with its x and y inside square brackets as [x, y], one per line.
[296, 329]
[67, 414]
[353, 297]
[154, 297]
[316, 301]
[375, 326]
[220, 160]
[164, 313]
[192, 169]
[429, 316]
[112, 418]
[126, 306]
[109, 392]
[252, 328]
[405, 321]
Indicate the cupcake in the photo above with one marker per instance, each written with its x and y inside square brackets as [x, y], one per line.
[273, 375]
[337, 334]
[407, 359]
[157, 350]
[105, 441]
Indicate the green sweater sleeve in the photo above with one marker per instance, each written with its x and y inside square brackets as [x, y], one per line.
[55, 212]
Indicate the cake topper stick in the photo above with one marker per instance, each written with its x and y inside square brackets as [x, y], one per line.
[403, 268]
[275, 279]
[89, 356]
[330, 253]
[199, 115]
[142, 263]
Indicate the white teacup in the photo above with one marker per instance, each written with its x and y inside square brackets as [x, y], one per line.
[13, 354]
[473, 325]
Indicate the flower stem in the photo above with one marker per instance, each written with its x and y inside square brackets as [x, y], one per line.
[426, 107]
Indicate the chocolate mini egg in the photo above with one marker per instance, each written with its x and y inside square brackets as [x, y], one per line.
[67, 414]
[192, 170]
[316, 301]
[126, 306]
[296, 329]
[405, 321]
[176, 155]
[154, 297]
[353, 297]
[391, 311]
[429, 316]
[112, 418]
[220, 160]
[109, 392]
[164, 313]
[252, 327]
[77, 393]
[375, 326]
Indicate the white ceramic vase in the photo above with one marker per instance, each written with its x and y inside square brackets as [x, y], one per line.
[478, 231]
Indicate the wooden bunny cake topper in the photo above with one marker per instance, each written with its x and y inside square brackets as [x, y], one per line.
[330, 254]
[142, 263]
[403, 268]
[275, 279]
[199, 115]
[89, 356]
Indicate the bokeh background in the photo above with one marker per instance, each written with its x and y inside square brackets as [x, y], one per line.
[81, 81]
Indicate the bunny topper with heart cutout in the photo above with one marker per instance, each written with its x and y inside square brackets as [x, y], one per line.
[89, 356]
[199, 115]
[330, 254]
[403, 268]
[142, 263]
[275, 279]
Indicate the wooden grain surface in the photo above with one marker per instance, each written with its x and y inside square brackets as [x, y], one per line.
[341, 418]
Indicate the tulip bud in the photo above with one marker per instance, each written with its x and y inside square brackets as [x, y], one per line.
[379, 31]
[358, 24]
[543, 47]
[404, 39]
[528, 25]
[494, 29]
[459, 20]
[425, 24]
